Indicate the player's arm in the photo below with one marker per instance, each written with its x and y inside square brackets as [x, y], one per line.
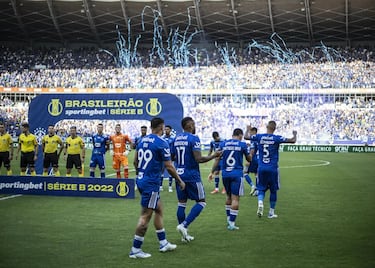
[11, 149]
[61, 147]
[107, 145]
[65, 149]
[214, 166]
[293, 139]
[43, 143]
[135, 162]
[246, 136]
[172, 171]
[83, 151]
[36, 148]
[211, 149]
[203, 159]
[18, 147]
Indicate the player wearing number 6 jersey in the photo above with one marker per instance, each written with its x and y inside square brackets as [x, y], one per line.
[152, 153]
[268, 165]
[232, 171]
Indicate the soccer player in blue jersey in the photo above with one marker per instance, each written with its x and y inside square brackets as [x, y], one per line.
[253, 166]
[138, 139]
[152, 153]
[169, 138]
[100, 146]
[268, 165]
[214, 146]
[186, 152]
[233, 151]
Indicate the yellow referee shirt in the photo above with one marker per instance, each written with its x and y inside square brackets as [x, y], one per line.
[51, 143]
[27, 143]
[74, 146]
[5, 142]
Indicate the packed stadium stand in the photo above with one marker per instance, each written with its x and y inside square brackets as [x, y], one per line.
[316, 75]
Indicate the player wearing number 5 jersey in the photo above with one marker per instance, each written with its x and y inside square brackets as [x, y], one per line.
[152, 153]
[268, 165]
[186, 152]
[232, 171]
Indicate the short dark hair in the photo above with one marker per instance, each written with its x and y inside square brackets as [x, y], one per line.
[168, 126]
[156, 122]
[143, 127]
[215, 134]
[185, 120]
[254, 129]
[272, 124]
[26, 125]
[237, 132]
[73, 127]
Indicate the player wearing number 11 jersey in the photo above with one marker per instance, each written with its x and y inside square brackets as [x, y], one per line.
[268, 165]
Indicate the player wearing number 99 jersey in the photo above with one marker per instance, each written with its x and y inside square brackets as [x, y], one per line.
[152, 153]
[268, 165]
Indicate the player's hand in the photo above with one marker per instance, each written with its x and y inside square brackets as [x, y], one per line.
[294, 132]
[126, 153]
[210, 177]
[65, 157]
[248, 127]
[35, 157]
[10, 157]
[181, 184]
[218, 153]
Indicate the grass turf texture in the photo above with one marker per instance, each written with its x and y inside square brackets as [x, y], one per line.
[326, 219]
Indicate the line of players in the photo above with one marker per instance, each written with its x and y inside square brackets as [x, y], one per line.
[73, 149]
[153, 153]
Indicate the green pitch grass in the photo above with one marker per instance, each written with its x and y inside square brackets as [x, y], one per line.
[326, 219]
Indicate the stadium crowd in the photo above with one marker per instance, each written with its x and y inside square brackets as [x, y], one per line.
[349, 119]
[90, 68]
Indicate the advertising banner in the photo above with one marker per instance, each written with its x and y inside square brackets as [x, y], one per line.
[48, 109]
[57, 186]
[327, 148]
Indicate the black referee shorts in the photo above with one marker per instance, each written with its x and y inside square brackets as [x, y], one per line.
[50, 159]
[4, 158]
[74, 159]
[27, 159]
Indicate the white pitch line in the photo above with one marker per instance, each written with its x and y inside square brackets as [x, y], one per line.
[9, 197]
[320, 163]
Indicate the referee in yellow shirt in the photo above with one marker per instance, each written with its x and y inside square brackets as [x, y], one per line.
[50, 144]
[75, 148]
[28, 146]
[6, 149]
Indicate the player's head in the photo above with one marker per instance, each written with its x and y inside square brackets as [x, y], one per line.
[2, 127]
[51, 129]
[118, 128]
[168, 130]
[188, 124]
[157, 125]
[73, 131]
[100, 128]
[215, 135]
[238, 133]
[25, 127]
[253, 131]
[271, 126]
[143, 130]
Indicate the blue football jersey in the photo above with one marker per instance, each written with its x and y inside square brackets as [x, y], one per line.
[254, 146]
[169, 139]
[214, 145]
[183, 147]
[232, 157]
[99, 142]
[152, 152]
[268, 147]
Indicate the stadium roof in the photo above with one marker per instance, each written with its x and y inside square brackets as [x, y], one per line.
[95, 21]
